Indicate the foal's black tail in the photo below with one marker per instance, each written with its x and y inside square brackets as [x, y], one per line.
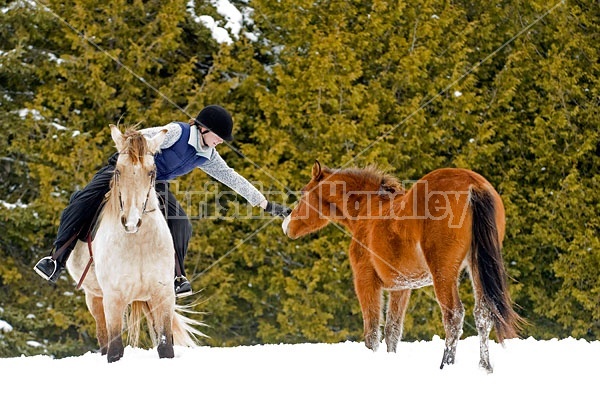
[487, 259]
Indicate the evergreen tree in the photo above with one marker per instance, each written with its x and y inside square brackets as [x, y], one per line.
[77, 67]
[507, 89]
[413, 87]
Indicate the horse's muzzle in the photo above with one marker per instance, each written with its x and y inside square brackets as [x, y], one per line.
[130, 227]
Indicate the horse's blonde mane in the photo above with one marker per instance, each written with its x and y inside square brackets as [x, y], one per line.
[135, 144]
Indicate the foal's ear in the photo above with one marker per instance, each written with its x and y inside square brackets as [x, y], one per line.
[386, 189]
[155, 142]
[317, 171]
[117, 137]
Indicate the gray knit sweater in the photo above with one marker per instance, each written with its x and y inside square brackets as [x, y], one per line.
[215, 167]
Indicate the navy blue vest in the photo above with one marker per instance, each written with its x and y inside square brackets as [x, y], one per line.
[179, 159]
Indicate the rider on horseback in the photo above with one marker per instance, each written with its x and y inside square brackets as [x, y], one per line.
[187, 146]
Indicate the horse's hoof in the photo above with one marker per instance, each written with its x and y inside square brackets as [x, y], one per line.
[113, 358]
[166, 351]
[114, 354]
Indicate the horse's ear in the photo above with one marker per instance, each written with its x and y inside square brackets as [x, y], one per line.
[155, 142]
[117, 137]
[317, 171]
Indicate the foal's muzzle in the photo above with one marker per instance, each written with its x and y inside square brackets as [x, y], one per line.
[286, 224]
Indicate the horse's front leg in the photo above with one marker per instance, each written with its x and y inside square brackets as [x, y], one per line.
[163, 310]
[114, 307]
[397, 304]
[368, 289]
[96, 307]
[165, 341]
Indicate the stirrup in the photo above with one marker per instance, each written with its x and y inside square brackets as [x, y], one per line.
[42, 269]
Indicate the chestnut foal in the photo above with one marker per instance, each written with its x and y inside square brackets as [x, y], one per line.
[402, 240]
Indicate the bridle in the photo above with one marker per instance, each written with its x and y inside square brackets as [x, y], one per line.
[117, 175]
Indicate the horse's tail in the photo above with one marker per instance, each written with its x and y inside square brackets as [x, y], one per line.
[185, 332]
[139, 310]
[486, 253]
[184, 328]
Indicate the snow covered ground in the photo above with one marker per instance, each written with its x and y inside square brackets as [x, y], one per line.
[523, 368]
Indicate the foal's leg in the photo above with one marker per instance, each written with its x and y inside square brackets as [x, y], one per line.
[397, 304]
[94, 304]
[368, 289]
[483, 321]
[453, 312]
[114, 307]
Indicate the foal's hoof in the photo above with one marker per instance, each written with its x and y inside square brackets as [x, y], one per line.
[372, 342]
[391, 345]
[373, 346]
[486, 366]
[448, 357]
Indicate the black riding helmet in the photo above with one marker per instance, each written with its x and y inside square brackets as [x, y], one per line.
[218, 120]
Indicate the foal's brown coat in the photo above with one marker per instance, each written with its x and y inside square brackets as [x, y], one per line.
[450, 219]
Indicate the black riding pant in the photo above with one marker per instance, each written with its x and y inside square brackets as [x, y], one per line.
[83, 205]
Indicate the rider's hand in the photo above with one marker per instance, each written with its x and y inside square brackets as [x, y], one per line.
[277, 209]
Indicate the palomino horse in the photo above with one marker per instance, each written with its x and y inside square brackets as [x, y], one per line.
[133, 261]
[448, 220]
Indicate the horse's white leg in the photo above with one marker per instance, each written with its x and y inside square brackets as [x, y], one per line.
[397, 304]
[165, 338]
[163, 309]
[96, 307]
[114, 307]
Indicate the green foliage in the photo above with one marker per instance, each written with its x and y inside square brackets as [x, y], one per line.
[66, 73]
[408, 86]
